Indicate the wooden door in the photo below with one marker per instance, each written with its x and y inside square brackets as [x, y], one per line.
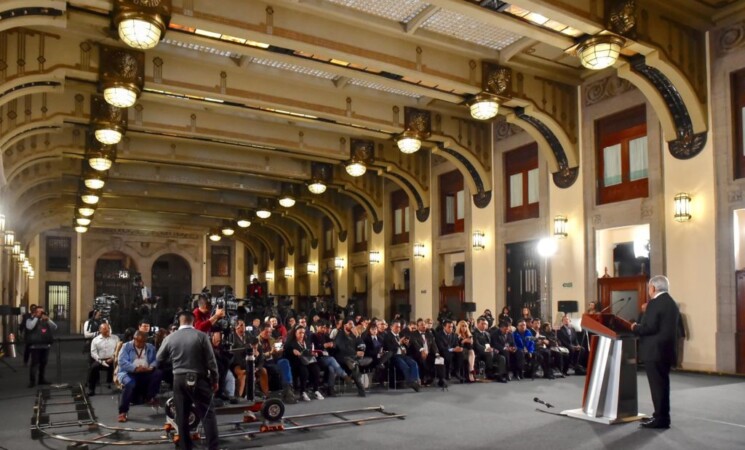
[740, 312]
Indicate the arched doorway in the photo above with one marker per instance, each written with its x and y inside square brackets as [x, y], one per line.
[171, 275]
[114, 291]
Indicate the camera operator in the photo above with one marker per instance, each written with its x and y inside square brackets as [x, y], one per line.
[195, 379]
[40, 330]
[202, 319]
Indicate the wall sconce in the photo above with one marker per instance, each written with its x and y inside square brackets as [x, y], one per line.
[339, 263]
[682, 207]
[16, 249]
[100, 157]
[418, 250]
[478, 240]
[141, 24]
[560, 227]
[108, 122]
[375, 257]
[122, 75]
[2, 223]
[312, 268]
[599, 52]
[417, 126]
[10, 238]
[361, 154]
[22, 256]
[289, 272]
[320, 174]
[269, 275]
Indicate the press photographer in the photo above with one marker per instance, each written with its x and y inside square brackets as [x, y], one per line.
[204, 318]
[40, 331]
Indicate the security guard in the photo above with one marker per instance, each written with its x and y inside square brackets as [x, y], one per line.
[194, 378]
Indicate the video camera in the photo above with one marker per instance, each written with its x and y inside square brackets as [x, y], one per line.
[104, 303]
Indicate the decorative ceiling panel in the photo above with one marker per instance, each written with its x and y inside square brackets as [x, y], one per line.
[294, 68]
[466, 29]
[199, 48]
[380, 87]
[397, 10]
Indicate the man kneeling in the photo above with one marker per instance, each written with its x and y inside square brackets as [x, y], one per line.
[137, 373]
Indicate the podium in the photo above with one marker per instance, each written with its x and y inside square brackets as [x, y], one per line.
[610, 394]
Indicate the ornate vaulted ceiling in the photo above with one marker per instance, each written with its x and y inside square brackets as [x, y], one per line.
[242, 96]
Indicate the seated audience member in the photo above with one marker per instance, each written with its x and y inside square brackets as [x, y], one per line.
[505, 316]
[129, 334]
[411, 330]
[559, 354]
[324, 347]
[494, 362]
[102, 354]
[255, 327]
[542, 349]
[423, 350]
[489, 318]
[348, 354]
[304, 363]
[279, 332]
[567, 337]
[338, 326]
[397, 344]
[277, 368]
[525, 315]
[465, 338]
[361, 326]
[241, 340]
[138, 372]
[290, 323]
[525, 343]
[503, 343]
[203, 321]
[449, 347]
[224, 360]
[445, 315]
[382, 326]
[374, 347]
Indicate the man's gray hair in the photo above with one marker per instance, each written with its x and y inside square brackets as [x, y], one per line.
[660, 283]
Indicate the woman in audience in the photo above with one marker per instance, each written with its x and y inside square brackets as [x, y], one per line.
[465, 337]
[505, 316]
[303, 363]
[526, 315]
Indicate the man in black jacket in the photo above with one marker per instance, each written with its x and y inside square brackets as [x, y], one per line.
[450, 349]
[397, 344]
[567, 337]
[658, 332]
[503, 342]
[494, 362]
[348, 354]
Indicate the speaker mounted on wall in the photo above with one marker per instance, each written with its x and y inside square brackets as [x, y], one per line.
[469, 306]
[568, 306]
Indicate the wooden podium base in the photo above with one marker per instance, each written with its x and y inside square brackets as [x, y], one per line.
[579, 414]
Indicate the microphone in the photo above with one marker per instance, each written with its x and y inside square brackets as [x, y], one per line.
[538, 400]
[624, 305]
[611, 305]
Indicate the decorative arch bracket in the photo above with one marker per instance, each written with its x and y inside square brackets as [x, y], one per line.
[474, 173]
[674, 100]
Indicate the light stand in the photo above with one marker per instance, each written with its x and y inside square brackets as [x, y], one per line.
[546, 248]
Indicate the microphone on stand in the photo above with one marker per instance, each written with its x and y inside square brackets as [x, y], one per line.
[538, 400]
[611, 305]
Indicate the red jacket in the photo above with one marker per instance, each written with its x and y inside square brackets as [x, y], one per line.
[202, 321]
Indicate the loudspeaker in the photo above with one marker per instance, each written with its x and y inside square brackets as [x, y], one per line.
[469, 307]
[403, 308]
[568, 306]
[5, 310]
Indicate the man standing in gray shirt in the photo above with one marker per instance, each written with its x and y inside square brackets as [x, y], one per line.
[194, 378]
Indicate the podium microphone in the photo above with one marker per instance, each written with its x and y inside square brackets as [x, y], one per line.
[538, 400]
[611, 305]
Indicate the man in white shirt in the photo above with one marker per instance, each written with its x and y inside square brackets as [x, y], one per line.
[102, 355]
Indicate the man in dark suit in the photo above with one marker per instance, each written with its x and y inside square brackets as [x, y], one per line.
[450, 349]
[658, 333]
[503, 344]
[423, 350]
[567, 337]
[397, 344]
[484, 352]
